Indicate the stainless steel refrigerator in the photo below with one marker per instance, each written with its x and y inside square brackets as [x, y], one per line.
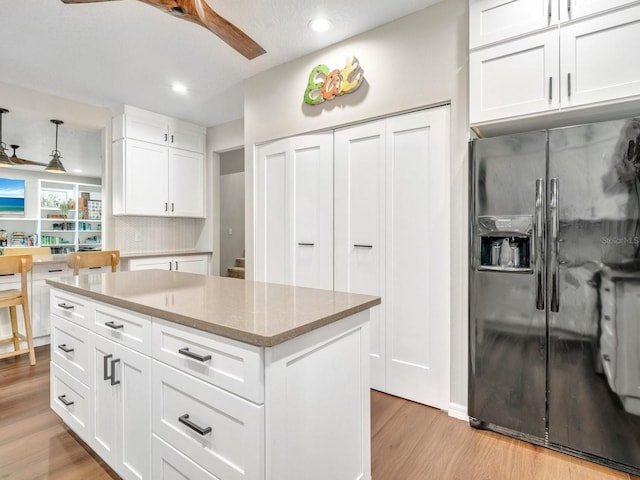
[555, 289]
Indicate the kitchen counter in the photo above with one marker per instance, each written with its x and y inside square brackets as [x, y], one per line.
[127, 255]
[261, 314]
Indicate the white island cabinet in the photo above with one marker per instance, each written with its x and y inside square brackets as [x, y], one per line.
[175, 375]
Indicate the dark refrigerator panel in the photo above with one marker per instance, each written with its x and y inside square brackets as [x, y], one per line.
[594, 275]
[507, 328]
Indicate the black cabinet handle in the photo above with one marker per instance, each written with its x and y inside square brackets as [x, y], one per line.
[64, 348]
[201, 358]
[95, 268]
[184, 419]
[607, 317]
[359, 245]
[114, 325]
[306, 244]
[172, 207]
[63, 399]
[105, 366]
[66, 306]
[165, 137]
[113, 371]
[171, 138]
[55, 270]
[606, 358]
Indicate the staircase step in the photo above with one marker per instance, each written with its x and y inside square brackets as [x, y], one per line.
[240, 262]
[235, 272]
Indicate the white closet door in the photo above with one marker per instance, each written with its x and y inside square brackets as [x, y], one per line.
[294, 211]
[312, 210]
[359, 225]
[417, 256]
[272, 256]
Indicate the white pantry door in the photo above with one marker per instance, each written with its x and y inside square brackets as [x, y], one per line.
[294, 211]
[359, 226]
[418, 257]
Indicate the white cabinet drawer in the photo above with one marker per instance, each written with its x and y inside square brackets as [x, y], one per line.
[70, 400]
[70, 348]
[50, 270]
[71, 307]
[230, 444]
[170, 464]
[234, 366]
[123, 326]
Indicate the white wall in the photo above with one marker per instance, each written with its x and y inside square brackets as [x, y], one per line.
[417, 61]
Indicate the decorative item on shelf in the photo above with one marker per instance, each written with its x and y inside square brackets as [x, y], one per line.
[94, 208]
[53, 198]
[64, 209]
[18, 239]
[83, 209]
[4, 238]
[55, 165]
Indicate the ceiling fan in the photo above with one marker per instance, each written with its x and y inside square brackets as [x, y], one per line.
[198, 11]
[5, 160]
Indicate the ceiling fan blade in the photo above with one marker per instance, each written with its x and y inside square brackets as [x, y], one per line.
[198, 11]
[21, 161]
[85, 1]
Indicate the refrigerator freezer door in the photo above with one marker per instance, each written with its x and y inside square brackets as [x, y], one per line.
[594, 342]
[507, 331]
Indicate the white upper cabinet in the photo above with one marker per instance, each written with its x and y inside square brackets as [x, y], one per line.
[514, 78]
[158, 166]
[582, 58]
[575, 9]
[158, 129]
[492, 21]
[597, 57]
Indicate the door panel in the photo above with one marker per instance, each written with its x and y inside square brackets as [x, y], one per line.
[105, 400]
[598, 177]
[507, 380]
[417, 257]
[359, 225]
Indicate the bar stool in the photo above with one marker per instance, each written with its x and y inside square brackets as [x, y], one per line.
[11, 298]
[78, 260]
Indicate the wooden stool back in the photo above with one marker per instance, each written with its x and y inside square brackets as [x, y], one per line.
[11, 298]
[33, 251]
[78, 260]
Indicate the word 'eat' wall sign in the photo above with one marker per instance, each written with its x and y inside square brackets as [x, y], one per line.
[326, 85]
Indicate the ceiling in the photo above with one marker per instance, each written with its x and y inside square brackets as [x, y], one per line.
[126, 52]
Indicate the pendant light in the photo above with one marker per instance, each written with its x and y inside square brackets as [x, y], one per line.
[5, 161]
[55, 165]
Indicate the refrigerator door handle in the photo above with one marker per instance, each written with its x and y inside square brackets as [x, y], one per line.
[538, 246]
[555, 265]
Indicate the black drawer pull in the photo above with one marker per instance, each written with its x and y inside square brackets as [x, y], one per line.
[606, 358]
[196, 428]
[66, 306]
[95, 268]
[64, 348]
[358, 245]
[63, 399]
[607, 317]
[55, 270]
[201, 358]
[302, 244]
[114, 325]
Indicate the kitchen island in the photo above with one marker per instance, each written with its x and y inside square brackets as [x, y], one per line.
[175, 375]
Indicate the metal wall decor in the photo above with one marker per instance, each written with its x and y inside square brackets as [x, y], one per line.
[325, 85]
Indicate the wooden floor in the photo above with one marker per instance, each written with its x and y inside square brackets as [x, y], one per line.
[409, 441]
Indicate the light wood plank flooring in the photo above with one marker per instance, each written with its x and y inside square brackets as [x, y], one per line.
[409, 441]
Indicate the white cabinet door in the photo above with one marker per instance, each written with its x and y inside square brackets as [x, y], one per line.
[597, 58]
[185, 136]
[146, 178]
[312, 216]
[359, 225]
[417, 257]
[495, 20]
[272, 246]
[121, 413]
[148, 263]
[515, 78]
[192, 264]
[574, 9]
[40, 308]
[186, 183]
[294, 211]
[152, 128]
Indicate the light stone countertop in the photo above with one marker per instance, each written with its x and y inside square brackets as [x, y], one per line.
[262, 314]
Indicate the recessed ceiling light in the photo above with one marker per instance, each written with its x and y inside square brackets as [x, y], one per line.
[178, 87]
[320, 25]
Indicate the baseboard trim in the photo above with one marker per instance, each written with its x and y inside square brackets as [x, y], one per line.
[458, 411]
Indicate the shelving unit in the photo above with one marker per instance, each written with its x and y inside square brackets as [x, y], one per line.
[80, 228]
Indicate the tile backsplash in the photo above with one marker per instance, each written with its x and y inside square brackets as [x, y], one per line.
[156, 234]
